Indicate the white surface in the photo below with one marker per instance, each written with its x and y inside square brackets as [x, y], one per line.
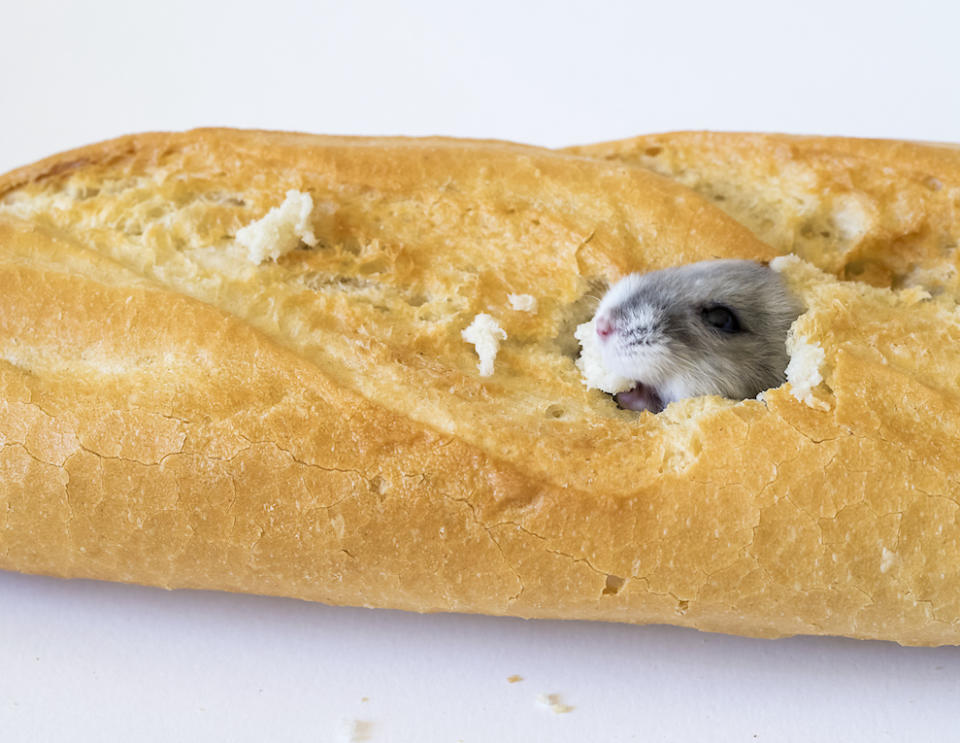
[111, 662]
[92, 662]
[547, 73]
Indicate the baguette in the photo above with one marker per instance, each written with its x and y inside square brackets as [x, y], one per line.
[235, 360]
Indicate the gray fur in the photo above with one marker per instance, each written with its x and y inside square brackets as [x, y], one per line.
[663, 342]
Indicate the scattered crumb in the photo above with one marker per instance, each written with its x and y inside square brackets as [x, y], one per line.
[553, 702]
[522, 302]
[364, 699]
[485, 334]
[514, 679]
[355, 731]
[280, 230]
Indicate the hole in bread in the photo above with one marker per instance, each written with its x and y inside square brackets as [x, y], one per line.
[934, 184]
[809, 229]
[555, 411]
[682, 606]
[869, 272]
[653, 151]
[613, 585]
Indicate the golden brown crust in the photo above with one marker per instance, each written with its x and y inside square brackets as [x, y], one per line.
[880, 211]
[173, 414]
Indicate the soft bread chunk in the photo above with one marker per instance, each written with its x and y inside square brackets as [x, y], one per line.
[175, 414]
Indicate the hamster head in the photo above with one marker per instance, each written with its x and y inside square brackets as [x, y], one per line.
[709, 328]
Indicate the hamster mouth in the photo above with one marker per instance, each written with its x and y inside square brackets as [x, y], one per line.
[641, 397]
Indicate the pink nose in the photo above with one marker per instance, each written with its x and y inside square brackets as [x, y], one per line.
[604, 327]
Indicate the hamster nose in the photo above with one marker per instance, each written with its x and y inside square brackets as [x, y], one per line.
[604, 326]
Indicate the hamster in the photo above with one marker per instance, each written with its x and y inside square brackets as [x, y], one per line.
[709, 328]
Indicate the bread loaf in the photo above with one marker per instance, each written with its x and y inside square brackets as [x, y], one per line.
[235, 360]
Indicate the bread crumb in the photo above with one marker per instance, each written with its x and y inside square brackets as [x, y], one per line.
[280, 230]
[522, 302]
[514, 679]
[803, 371]
[485, 334]
[553, 702]
[355, 731]
[590, 363]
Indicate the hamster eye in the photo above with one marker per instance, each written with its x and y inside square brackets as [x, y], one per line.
[722, 318]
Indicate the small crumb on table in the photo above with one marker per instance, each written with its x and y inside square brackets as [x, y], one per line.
[554, 703]
[514, 679]
[355, 731]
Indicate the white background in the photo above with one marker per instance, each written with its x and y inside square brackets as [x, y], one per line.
[93, 662]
